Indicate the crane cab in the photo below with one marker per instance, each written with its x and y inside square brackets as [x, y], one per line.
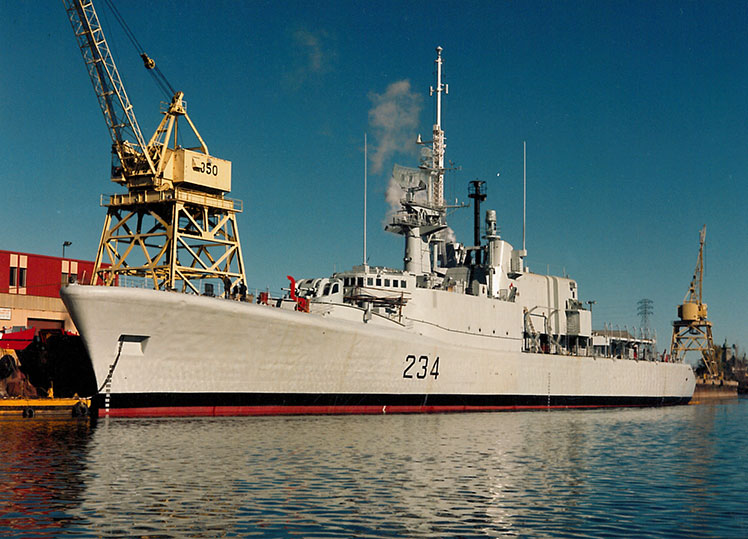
[196, 169]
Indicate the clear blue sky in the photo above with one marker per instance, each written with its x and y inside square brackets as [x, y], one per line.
[635, 116]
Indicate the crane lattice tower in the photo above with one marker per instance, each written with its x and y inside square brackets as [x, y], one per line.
[174, 226]
[692, 332]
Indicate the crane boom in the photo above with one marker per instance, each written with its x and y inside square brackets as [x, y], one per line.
[110, 91]
[694, 294]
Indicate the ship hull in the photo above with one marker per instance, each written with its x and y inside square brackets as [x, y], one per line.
[254, 404]
[167, 354]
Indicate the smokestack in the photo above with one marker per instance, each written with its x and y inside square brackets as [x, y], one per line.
[476, 192]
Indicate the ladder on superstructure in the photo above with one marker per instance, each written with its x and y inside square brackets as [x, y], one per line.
[530, 331]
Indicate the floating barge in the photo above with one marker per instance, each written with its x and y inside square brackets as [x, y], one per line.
[32, 363]
[45, 407]
[711, 390]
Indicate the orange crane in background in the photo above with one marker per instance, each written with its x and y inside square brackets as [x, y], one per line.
[692, 332]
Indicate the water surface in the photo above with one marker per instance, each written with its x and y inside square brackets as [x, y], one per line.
[659, 472]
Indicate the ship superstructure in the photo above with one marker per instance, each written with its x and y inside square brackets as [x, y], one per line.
[547, 316]
[458, 328]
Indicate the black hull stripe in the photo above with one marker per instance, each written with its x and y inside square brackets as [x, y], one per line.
[347, 400]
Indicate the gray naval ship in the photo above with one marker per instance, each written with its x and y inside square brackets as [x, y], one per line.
[457, 329]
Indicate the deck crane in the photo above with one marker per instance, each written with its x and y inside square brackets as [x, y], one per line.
[174, 226]
[692, 331]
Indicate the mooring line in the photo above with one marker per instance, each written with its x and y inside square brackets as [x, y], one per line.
[107, 385]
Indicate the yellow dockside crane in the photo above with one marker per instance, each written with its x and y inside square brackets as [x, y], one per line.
[174, 227]
[692, 332]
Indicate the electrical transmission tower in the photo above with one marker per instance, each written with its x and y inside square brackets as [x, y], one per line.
[645, 309]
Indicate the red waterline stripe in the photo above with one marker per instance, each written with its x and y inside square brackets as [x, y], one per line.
[224, 411]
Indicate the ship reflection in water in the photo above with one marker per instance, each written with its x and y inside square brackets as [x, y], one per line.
[43, 470]
[637, 472]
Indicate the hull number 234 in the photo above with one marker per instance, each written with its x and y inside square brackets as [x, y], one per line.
[420, 367]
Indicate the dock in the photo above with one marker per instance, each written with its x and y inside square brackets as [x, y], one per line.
[58, 408]
[711, 390]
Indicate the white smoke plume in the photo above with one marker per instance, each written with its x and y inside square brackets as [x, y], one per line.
[447, 235]
[310, 48]
[312, 55]
[394, 121]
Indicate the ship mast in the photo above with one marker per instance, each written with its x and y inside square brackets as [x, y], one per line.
[439, 146]
[419, 220]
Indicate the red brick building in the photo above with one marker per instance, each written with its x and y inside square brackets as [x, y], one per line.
[30, 289]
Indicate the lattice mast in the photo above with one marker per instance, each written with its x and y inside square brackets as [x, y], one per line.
[421, 218]
[174, 226]
[438, 145]
[692, 332]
